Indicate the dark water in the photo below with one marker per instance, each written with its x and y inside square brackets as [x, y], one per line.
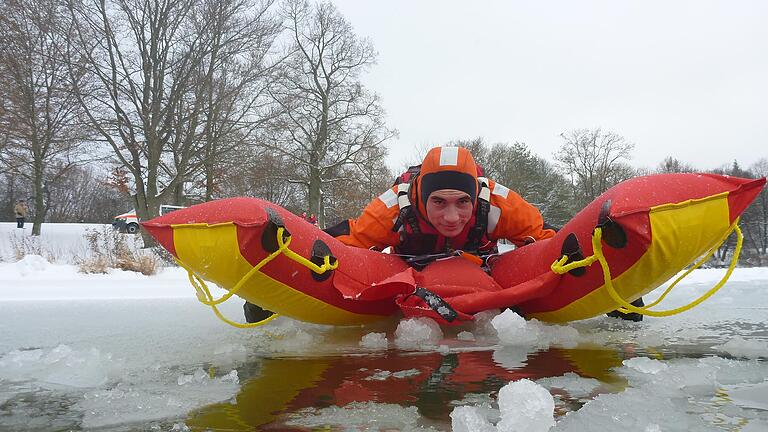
[272, 389]
[335, 385]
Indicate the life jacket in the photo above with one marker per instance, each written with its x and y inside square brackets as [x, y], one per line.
[415, 235]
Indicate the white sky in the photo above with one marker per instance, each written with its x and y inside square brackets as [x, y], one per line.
[687, 79]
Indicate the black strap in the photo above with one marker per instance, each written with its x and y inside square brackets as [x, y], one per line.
[413, 221]
[407, 215]
[436, 303]
[420, 261]
[477, 232]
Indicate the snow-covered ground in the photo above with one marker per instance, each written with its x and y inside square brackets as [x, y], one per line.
[130, 352]
[58, 242]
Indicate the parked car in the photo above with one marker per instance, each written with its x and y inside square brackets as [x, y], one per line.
[129, 223]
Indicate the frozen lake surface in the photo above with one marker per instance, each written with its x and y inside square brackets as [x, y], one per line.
[126, 352]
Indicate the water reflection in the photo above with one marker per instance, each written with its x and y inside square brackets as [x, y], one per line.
[274, 388]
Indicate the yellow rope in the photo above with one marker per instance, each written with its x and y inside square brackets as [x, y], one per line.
[300, 259]
[560, 267]
[218, 313]
[193, 277]
[644, 310]
[695, 266]
[204, 293]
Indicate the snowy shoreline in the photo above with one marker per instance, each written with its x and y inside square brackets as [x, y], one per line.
[35, 278]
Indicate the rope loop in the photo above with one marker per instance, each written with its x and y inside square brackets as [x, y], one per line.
[204, 293]
[319, 269]
[560, 267]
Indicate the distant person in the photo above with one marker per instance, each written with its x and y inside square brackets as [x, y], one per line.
[312, 219]
[21, 211]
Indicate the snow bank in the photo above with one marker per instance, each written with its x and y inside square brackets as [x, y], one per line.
[34, 278]
[59, 242]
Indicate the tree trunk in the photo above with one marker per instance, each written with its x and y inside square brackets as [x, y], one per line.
[39, 199]
[208, 182]
[12, 198]
[315, 193]
[208, 166]
[178, 194]
[150, 207]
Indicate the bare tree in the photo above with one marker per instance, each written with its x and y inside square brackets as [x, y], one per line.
[749, 220]
[232, 80]
[154, 98]
[755, 219]
[672, 165]
[592, 159]
[535, 179]
[141, 56]
[39, 118]
[477, 147]
[328, 119]
[366, 181]
[258, 175]
[83, 196]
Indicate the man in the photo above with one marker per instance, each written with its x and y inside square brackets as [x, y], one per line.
[446, 207]
[443, 212]
[21, 211]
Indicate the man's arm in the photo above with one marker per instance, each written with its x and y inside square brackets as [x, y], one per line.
[373, 228]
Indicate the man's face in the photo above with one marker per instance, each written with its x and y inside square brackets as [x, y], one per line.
[449, 210]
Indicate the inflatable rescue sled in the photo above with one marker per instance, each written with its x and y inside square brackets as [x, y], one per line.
[626, 243]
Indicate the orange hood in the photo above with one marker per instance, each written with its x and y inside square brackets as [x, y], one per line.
[446, 168]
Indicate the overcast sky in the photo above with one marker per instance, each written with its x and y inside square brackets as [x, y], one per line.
[687, 79]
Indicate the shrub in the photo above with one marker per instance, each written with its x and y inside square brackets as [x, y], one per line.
[22, 246]
[108, 248]
[144, 264]
[93, 265]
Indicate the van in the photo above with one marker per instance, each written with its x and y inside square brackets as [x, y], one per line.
[129, 223]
